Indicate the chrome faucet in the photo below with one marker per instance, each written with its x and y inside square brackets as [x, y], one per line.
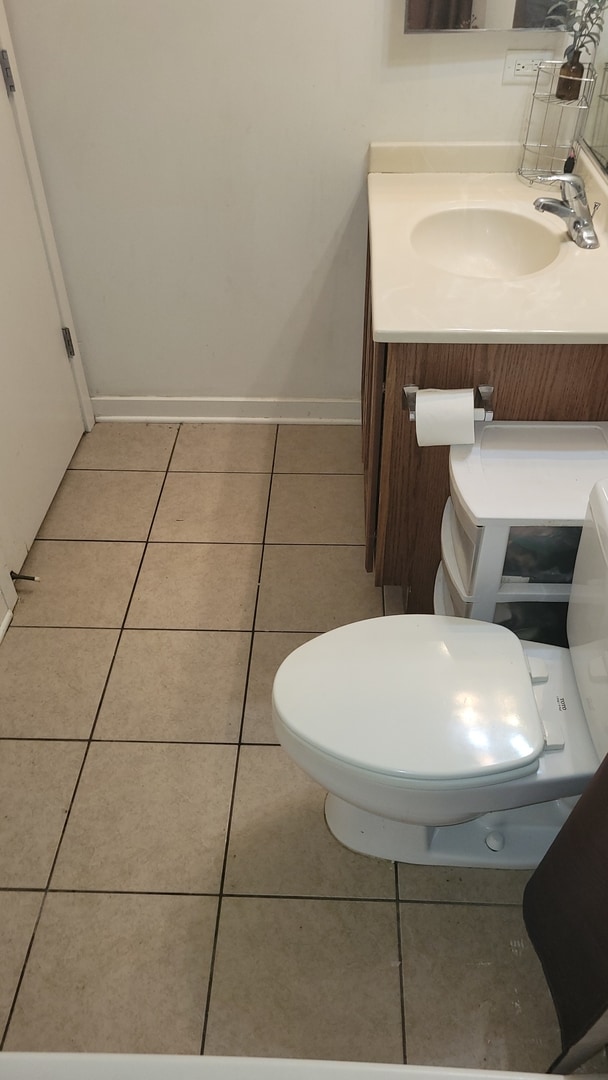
[572, 207]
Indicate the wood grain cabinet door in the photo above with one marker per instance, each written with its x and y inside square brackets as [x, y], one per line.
[531, 382]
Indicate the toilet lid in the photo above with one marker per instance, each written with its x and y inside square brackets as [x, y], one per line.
[418, 696]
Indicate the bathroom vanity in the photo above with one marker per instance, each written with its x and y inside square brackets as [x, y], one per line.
[537, 333]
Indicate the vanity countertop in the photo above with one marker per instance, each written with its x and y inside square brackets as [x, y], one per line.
[414, 300]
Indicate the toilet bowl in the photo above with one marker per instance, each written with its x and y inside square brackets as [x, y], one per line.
[450, 741]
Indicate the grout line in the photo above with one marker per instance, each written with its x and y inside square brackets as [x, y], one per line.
[84, 540]
[127, 742]
[45, 738]
[313, 897]
[23, 968]
[50, 891]
[85, 755]
[400, 959]
[22, 888]
[193, 543]
[79, 469]
[236, 543]
[224, 472]
[163, 629]
[236, 766]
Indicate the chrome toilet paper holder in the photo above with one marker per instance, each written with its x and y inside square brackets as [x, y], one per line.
[483, 412]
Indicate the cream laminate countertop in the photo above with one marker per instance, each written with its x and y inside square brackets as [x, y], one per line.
[413, 300]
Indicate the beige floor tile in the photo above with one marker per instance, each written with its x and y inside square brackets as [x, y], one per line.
[94, 505]
[82, 583]
[269, 651]
[213, 508]
[116, 974]
[312, 589]
[475, 994]
[279, 842]
[306, 979]
[148, 817]
[51, 681]
[318, 448]
[18, 914]
[462, 884]
[316, 510]
[176, 686]
[225, 448]
[596, 1064]
[196, 587]
[37, 780]
[126, 446]
[393, 600]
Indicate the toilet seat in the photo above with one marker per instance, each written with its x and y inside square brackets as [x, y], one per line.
[416, 697]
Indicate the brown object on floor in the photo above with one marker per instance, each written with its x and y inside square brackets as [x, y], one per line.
[566, 914]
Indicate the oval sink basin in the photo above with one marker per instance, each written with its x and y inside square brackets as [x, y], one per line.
[485, 243]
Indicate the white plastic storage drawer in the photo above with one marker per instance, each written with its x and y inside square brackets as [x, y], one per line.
[466, 539]
[531, 620]
[451, 600]
[519, 497]
[535, 611]
[442, 601]
[537, 553]
[541, 554]
[465, 604]
[535, 620]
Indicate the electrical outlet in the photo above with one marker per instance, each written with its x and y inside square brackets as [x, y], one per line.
[521, 67]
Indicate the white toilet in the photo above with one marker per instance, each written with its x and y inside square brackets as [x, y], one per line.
[450, 741]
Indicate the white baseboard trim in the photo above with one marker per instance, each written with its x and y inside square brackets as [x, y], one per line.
[5, 623]
[251, 410]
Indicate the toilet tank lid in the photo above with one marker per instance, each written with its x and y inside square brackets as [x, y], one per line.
[423, 697]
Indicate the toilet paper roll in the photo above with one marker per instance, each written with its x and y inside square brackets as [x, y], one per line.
[444, 417]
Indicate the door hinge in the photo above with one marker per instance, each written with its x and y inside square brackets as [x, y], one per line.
[7, 74]
[67, 341]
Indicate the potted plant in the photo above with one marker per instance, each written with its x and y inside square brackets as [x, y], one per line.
[584, 20]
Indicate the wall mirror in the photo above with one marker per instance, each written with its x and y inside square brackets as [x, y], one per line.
[433, 15]
[596, 130]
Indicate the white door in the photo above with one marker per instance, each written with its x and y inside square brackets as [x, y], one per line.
[40, 411]
[5, 613]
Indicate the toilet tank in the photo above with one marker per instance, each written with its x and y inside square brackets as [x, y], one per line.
[588, 617]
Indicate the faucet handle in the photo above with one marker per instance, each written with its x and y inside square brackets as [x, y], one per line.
[571, 182]
[552, 178]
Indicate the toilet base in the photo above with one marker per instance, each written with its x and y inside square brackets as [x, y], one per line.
[507, 839]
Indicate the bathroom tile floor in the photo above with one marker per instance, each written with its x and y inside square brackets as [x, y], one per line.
[167, 882]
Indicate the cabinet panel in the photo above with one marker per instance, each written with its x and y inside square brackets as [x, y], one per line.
[413, 481]
[372, 403]
[531, 382]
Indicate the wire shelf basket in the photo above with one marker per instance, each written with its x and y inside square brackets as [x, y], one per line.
[555, 126]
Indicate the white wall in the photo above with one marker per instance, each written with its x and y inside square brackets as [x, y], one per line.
[204, 162]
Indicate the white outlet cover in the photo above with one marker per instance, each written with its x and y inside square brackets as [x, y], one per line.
[527, 57]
